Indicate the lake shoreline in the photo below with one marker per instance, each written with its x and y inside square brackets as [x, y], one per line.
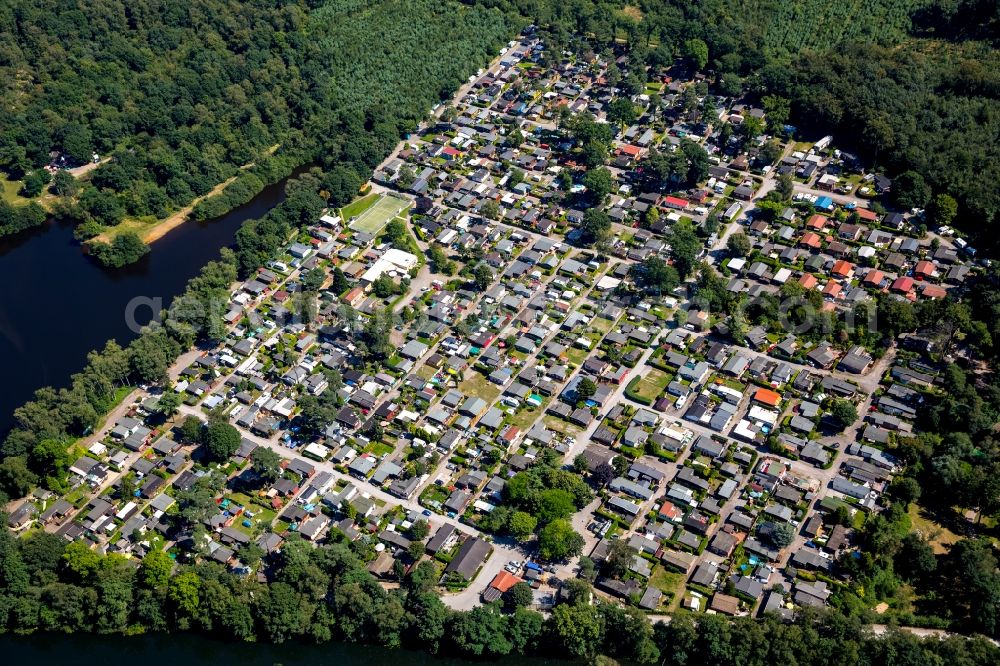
[33, 317]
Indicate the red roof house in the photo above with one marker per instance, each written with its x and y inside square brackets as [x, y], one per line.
[874, 278]
[630, 150]
[810, 240]
[933, 291]
[925, 270]
[817, 222]
[902, 285]
[843, 268]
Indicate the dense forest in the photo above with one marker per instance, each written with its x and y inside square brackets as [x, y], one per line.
[181, 95]
[320, 594]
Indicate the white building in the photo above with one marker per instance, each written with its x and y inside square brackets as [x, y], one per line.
[393, 261]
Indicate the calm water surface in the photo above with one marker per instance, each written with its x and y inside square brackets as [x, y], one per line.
[194, 650]
[56, 304]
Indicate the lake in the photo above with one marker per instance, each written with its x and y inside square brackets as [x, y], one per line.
[56, 304]
[173, 649]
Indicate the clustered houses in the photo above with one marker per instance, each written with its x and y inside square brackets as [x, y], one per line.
[715, 452]
[847, 257]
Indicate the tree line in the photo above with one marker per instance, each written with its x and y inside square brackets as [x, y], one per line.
[326, 593]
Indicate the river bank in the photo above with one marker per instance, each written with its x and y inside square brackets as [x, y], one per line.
[151, 231]
[86, 649]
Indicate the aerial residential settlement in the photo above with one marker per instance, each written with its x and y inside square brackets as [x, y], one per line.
[716, 462]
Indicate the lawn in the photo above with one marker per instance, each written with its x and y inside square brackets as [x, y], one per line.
[426, 372]
[78, 495]
[937, 535]
[601, 325]
[380, 448]
[526, 416]
[649, 386]
[378, 214]
[481, 387]
[576, 356]
[433, 493]
[556, 424]
[263, 515]
[359, 206]
[668, 582]
[8, 191]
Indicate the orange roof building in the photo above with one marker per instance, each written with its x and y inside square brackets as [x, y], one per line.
[925, 269]
[933, 291]
[843, 268]
[504, 580]
[354, 297]
[874, 278]
[767, 397]
[865, 214]
[817, 221]
[669, 512]
[810, 240]
[808, 280]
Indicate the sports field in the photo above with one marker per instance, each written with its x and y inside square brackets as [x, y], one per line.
[378, 214]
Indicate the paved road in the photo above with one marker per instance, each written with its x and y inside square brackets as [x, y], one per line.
[504, 550]
[583, 438]
[363, 486]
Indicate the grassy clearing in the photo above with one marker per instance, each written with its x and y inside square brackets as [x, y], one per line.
[9, 194]
[526, 416]
[650, 385]
[426, 372]
[576, 356]
[556, 424]
[632, 12]
[263, 514]
[937, 535]
[8, 191]
[479, 386]
[601, 325]
[668, 582]
[380, 449]
[359, 206]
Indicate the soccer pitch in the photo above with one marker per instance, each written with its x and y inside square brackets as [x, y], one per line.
[378, 214]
